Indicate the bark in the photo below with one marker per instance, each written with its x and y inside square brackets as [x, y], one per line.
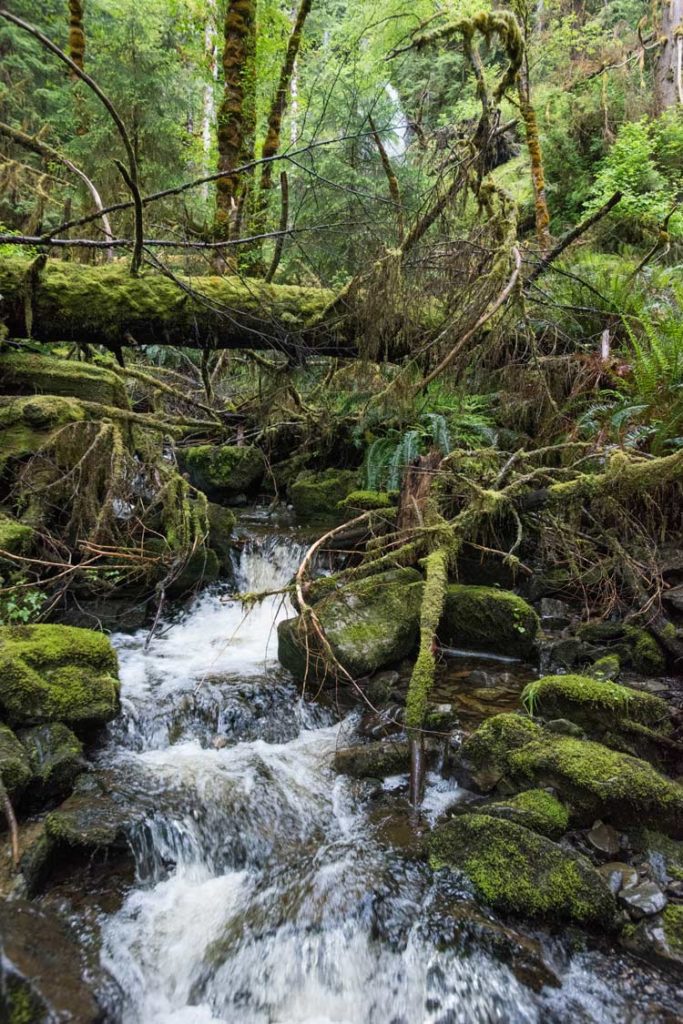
[76, 35]
[237, 114]
[533, 144]
[669, 64]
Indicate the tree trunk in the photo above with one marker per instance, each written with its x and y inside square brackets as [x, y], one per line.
[209, 101]
[76, 34]
[669, 65]
[533, 143]
[237, 114]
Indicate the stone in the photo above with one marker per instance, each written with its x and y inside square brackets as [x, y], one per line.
[594, 704]
[658, 939]
[369, 624]
[373, 760]
[674, 597]
[488, 619]
[618, 875]
[88, 820]
[15, 769]
[535, 809]
[604, 839]
[221, 525]
[222, 471]
[555, 614]
[320, 494]
[56, 758]
[57, 674]
[643, 900]
[607, 668]
[636, 647]
[516, 870]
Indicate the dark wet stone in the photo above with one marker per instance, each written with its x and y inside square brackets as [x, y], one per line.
[89, 819]
[41, 971]
[56, 758]
[643, 900]
[618, 875]
[604, 839]
[15, 769]
[554, 614]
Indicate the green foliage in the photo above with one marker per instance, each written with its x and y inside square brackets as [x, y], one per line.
[21, 607]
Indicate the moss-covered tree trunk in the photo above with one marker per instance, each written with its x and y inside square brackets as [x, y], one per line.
[76, 34]
[237, 113]
[533, 143]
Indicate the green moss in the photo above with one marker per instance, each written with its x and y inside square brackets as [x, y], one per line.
[608, 668]
[518, 871]
[535, 809]
[485, 618]
[491, 744]
[598, 782]
[89, 819]
[22, 1006]
[29, 373]
[636, 647]
[15, 770]
[55, 755]
[431, 608]
[316, 494]
[57, 673]
[222, 471]
[594, 703]
[14, 537]
[369, 624]
[672, 921]
[26, 424]
[366, 501]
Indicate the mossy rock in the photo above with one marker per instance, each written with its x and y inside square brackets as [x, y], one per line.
[535, 809]
[373, 760]
[517, 871]
[222, 471]
[636, 647]
[88, 820]
[595, 704]
[319, 494]
[598, 782]
[200, 568]
[221, 525]
[15, 769]
[57, 674]
[369, 624]
[56, 758]
[606, 668]
[15, 537]
[485, 618]
[367, 501]
[672, 921]
[30, 373]
[483, 757]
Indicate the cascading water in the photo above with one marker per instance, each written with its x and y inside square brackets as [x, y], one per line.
[262, 896]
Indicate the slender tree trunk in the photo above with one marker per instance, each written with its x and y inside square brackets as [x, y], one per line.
[237, 113]
[76, 35]
[669, 65]
[209, 100]
[533, 143]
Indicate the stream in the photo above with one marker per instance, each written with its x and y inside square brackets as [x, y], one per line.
[263, 894]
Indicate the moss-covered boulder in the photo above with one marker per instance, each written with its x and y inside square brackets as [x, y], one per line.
[57, 674]
[367, 501]
[222, 471]
[15, 769]
[221, 524]
[608, 667]
[516, 870]
[26, 373]
[319, 494]
[369, 624]
[483, 758]
[485, 618]
[373, 760]
[56, 758]
[201, 567]
[595, 704]
[636, 648]
[88, 820]
[535, 809]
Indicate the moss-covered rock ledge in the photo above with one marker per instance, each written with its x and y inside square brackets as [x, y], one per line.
[57, 674]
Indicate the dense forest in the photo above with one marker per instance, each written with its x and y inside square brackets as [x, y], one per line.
[341, 532]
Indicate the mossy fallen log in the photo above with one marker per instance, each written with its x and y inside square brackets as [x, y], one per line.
[53, 301]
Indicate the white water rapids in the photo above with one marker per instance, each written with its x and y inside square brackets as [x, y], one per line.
[262, 896]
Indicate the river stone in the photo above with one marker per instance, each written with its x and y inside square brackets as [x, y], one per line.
[56, 757]
[618, 875]
[594, 704]
[555, 614]
[488, 619]
[15, 770]
[516, 870]
[658, 939]
[643, 900]
[373, 760]
[41, 972]
[222, 471]
[535, 809]
[369, 624]
[604, 838]
[88, 820]
[57, 673]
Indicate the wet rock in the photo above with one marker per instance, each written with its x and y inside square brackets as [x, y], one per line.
[316, 494]
[41, 971]
[221, 524]
[554, 614]
[518, 871]
[441, 718]
[373, 760]
[594, 704]
[15, 770]
[57, 673]
[618, 875]
[604, 839]
[88, 820]
[562, 655]
[643, 900]
[607, 668]
[379, 689]
[56, 758]
[484, 618]
[658, 939]
[535, 809]
[379, 724]
[483, 757]
[636, 648]
[222, 471]
[565, 728]
[368, 624]
[674, 597]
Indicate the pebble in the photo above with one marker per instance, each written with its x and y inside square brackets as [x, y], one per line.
[604, 838]
[643, 900]
[618, 875]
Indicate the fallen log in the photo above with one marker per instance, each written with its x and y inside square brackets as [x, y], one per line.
[54, 301]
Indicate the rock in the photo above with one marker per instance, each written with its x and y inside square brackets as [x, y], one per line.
[221, 524]
[483, 757]
[516, 870]
[604, 839]
[554, 614]
[636, 647]
[643, 900]
[664, 856]
[674, 597]
[318, 494]
[16, 538]
[564, 727]
[373, 760]
[15, 769]
[388, 721]
[561, 655]
[367, 501]
[88, 820]
[56, 758]
[484, 618]
[535, 809]
[41, 970]
[369, 624]
[200, 568]
[57, 673]
[607, 668]
[593, 704]
[379, 689]
[618, 875]
[222, 471]
[658, 939]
